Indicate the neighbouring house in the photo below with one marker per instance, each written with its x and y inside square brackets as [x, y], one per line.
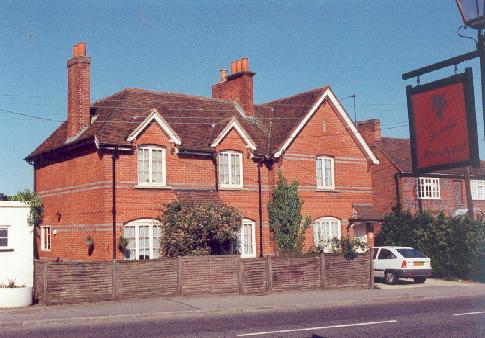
[16, 252]
[108, 169]
[395, 185]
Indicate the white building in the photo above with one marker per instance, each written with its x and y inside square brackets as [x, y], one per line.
[16, 243]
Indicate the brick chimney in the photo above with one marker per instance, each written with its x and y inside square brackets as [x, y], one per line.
[78, 92]
[370, 130]
[237, 86]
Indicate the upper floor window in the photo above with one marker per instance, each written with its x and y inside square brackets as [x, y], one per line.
[230, 169]
[151, 166]
[325, 173]
[45, 238]
[428, 188]
[3, 237]
[478, 189]
[325, 229]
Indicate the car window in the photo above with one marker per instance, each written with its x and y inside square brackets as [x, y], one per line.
[411, 253]
[375, 252]
[386, 254]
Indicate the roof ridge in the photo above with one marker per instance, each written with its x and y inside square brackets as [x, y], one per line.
[294, 95]
[157, 92]
[396, 138]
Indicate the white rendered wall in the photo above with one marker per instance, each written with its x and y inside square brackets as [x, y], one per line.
[16, 261]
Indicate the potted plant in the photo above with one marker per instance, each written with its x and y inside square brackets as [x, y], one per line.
[14, 295]
[90, 244]
[122, 243]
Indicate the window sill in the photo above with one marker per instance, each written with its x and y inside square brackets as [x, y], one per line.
[326, 190]
[45, 250]
[152, 186]
[6, 249]
[231, 188]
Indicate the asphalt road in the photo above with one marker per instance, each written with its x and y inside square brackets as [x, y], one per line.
[455, 317]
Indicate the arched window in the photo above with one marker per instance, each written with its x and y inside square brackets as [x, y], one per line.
[246, 240]
[230, 169]
[143, 237]
[324, 230]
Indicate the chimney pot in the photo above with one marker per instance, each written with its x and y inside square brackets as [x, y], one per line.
[75, 50]
[238, 66]
[245, 64]
[223, 73]
[81, 48]
[233, 67]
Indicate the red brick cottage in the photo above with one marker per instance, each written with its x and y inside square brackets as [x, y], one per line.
[108, 169]
[394, 183]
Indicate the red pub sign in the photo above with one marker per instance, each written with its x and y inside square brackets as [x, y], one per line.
[442, 124]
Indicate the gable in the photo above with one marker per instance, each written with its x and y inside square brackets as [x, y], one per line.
[234, 125]
[330, 97]
[155, 117]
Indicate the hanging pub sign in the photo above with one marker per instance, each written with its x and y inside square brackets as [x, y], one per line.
[442, 124]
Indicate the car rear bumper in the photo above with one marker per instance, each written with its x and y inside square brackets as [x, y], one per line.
[410, 273]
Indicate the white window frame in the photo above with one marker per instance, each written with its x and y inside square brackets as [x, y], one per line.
[152, 245]
[478, 189]
[231, 185]
[6, 228]
[320, 172]
[45, 238]
[319, 239]
[428, 188]
[150, 182]
[241, 243]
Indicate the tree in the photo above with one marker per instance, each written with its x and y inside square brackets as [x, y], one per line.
[285, 218]
[207, 229]
[454, 244]
[36, 206]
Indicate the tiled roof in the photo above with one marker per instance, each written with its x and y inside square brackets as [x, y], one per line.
[365, 212]
[398, 150]
[197, 197]
[196, 120]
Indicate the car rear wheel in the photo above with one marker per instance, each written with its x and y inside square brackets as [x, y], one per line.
[390, 277]
[419, 280]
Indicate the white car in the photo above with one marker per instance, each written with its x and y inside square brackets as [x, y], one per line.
[394, 262]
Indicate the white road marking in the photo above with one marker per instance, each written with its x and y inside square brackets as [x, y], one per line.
[315, 328]
[469, 313]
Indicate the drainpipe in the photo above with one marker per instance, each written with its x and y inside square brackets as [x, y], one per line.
[397, 180]
[214, 160]
[114, 156]
[260, 211]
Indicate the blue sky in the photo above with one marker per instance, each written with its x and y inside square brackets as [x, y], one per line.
[358, 47]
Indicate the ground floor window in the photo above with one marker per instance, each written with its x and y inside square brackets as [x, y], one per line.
[325, 229]
[45, 238]
[247, 239]
[143, 238]
[3, 237]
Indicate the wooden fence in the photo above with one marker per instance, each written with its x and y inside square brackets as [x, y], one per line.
[75, 282]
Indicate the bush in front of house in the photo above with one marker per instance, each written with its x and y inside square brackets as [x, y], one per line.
[456, 245]
[209, 229]
[285, 218]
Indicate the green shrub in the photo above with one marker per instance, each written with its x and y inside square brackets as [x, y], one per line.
[285, 218]
[454, 244]
[208, 229]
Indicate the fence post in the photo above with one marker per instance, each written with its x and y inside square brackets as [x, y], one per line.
[46, 277]
[322, 271]
[179, 275]
[240, 275]
[210, 275]
[269, 275]
[371, 264]
[115, 279]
